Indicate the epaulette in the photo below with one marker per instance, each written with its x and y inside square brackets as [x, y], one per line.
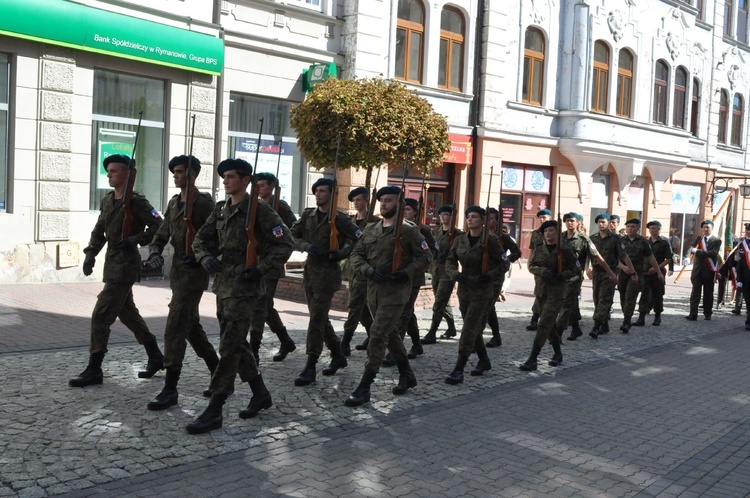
[220, 204]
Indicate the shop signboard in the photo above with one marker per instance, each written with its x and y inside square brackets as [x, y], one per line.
[268, 158]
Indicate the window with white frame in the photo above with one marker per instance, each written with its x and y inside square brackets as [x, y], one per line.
[451, 64]
[533, 67]
[738, 107]
[625, 69]
[680, 97]
[661, 91]
[600, 83]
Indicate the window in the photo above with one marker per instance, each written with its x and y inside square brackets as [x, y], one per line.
[118, 99]
[742, 20]
[680, 97]
[723, 116]
[624, 83]
[409, 40]
[695, 107]
[661, 84]
[699, 6]
[4, 98]
[737, 107]
[533, 67]
[450, 72]
[601, 78]
[728, 18]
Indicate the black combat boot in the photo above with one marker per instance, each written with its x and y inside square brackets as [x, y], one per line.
[261, 399]
[346, 342]
[625, 327]
[605, 328]
[361, 394]
[212, 362]
[287, 345]
[641, 320]
[211, 418]
[363, 346]
[575, 333]
[307, 376]
[495, 342]
[92, 374]
[416, 350]
[451, 331]
[594, 334]
[657, 320]
[255, 347]
[155, 361]
[557, 358]
[406, 378]
[457, 375]
[168, 396]
[388, 360]
[431, 336]
[531, 362]
[338, 361]
[534, 323]
[483, 364]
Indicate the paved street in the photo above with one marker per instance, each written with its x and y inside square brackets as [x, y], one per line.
[662, 411]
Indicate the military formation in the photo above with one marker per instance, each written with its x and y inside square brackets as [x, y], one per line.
[244, 242]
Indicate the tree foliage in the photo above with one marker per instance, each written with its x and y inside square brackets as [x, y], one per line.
[374, 117]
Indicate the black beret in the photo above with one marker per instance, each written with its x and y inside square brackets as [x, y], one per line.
[493, 211]
[543, 212]
[547, 224]
[322, 182]
[603, 216]
[117, 158]
[653, 223]
[475, 209]
[569, 216]
[633, 221]
[195, 164]
[412, 203]
[707, 222]
[265, 175]
[388, 189]
[747, 226]
[359, 191]
[614, 217]
[448, 208]
[240, 165]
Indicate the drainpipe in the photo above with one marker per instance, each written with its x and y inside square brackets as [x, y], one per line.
[476, 104]
[578, 64]
[218, 117]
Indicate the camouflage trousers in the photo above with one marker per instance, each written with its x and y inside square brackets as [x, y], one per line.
[235, 314]
[384, 331]
[604, 295]
[491, 311]
[267, 312]
[652, 296]
[629, 291]
[113, 302]
[319, 328]
[569, 310]
[550, 302]
[358, 310]
[474, 314]
[442, 290]
[184, 326]
[407, 323]
[536, 306]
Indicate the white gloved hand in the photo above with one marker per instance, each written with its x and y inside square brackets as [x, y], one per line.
[739, 285]
[692, 250]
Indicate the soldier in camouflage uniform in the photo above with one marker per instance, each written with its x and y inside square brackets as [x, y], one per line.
[387, 290]
[187, 279]
[122, 268]
[652, 295]
[238, 287]
[638, 250]
[553, 278]
[537, 238]
[511, 254]
[475, 289]
[442, 286]
[322, 276]
[266, 184]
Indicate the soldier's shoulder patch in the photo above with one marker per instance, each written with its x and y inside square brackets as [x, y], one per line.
[278, 232]
[622, 245]
[437, 245]
[156, 214]
[578, 264]
[592, 246]
[425, 247]
[358, 233]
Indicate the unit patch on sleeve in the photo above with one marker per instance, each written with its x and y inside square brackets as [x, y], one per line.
[278, 232]
[156, 214]
[425, 247]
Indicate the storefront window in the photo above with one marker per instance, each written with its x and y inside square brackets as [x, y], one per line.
[600, 190]
[118, 100]
[526, 190]
[683, 227]
[245, 112]
[4, 86]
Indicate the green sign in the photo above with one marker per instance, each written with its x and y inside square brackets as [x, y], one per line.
[73, 25]
[112, 142]
[318, 73]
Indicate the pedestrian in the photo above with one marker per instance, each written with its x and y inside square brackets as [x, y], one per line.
[511, 254]
[537, 237]
[705, 253]
[122, 268]
[266, 185]
[322, 275]
[476, 288]
[742, 260]
[187, 278]
[652, 295]
[238, 287]
[553, 272]
[388, 289]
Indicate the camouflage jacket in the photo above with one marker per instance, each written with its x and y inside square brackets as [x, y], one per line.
[224, 235]
[638, 250]
[611, 248]
[361, 224]
[470, 256]
[287, 216]
[122, 266]
[443, 239]
[582, 247]
[183, 276]
[662, 250]
[545, 258]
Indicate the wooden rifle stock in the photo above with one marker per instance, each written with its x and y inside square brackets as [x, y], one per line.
[486, 229]
[127, 200]
[422, 211]
[398, 249]
[189, 195]
[251, 251]
[277, 187]
[500, 214]
[333, 238]
[453, 216]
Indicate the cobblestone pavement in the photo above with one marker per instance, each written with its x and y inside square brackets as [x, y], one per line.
[662, 411]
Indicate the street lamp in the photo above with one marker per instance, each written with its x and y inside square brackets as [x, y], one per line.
[723, 186]
[745, 189]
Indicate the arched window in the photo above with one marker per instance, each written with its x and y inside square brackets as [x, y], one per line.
[450, 71]
[533, 67]
[600, 84]
[625, 69]
[409, 40]
[738, 104]
[728, 10]
[680, 97]
[723, 116]
[695, 107]
[661, 86]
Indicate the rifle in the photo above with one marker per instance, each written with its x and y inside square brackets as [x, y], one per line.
[333, 239]
[251, 252]
[127, 221]
[187, 217]
[373, 199]
[500, 214]
[277, 188]
[486, 230]
[453, 216]
[559, 231]
[422, 213]
[398, 250]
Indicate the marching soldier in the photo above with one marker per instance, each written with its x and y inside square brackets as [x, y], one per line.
[122, 268]
[322, 275]
[705, 265]
[442, 286]
[511, 254]
[187, 279]
[614, 223]
[742, 258]
[387, 290]
[537, 237]
[630, 280]
[238, 287]
[652, 296]
[266, 184]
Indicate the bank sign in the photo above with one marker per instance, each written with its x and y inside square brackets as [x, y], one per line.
[82, 27]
